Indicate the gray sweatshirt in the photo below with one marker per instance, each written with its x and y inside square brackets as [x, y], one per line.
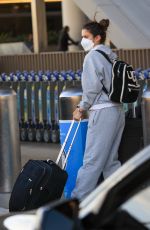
[96, 70]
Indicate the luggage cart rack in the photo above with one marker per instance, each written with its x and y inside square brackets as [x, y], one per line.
[38, 101]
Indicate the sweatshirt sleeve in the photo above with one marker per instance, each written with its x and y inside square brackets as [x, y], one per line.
[92, 77]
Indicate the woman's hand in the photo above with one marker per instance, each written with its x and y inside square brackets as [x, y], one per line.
[78, 114]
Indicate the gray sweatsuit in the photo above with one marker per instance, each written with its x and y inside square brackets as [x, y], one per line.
[105, 125]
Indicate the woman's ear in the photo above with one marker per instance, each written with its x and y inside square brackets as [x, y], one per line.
[97, 39]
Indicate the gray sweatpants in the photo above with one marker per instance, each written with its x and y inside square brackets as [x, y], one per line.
[104, 133]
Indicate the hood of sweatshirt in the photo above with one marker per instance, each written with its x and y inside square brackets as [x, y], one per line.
[112, 56]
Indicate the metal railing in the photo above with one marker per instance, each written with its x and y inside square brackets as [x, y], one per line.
[66, 60]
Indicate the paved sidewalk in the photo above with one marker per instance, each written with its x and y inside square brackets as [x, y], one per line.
[37, 151]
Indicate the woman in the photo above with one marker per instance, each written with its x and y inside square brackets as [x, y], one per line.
[106, 118]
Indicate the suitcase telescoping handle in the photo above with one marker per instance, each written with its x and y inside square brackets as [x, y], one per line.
[65, 142]
[69, 150]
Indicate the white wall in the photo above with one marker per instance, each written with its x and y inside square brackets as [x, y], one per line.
[129, 20]
[73, 17]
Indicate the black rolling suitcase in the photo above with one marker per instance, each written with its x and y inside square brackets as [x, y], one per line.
[40, 182]
[132, 139]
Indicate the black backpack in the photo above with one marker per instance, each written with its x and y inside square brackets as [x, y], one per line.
[124, 85]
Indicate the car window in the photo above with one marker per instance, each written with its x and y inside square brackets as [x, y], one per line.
[139, 206]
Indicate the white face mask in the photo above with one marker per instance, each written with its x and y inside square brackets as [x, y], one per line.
[87, 44]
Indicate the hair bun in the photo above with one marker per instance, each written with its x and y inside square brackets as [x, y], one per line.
[104, 23]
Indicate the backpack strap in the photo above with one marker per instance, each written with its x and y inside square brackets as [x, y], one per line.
[107, 58]
[105, 55]
[105, 90]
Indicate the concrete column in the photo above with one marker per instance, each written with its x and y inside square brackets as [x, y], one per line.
[73, 17]
[39, 26]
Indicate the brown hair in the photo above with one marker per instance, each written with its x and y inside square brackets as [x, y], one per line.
[98, 28]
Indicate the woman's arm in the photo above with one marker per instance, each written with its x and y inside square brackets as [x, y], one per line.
[92, 77]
